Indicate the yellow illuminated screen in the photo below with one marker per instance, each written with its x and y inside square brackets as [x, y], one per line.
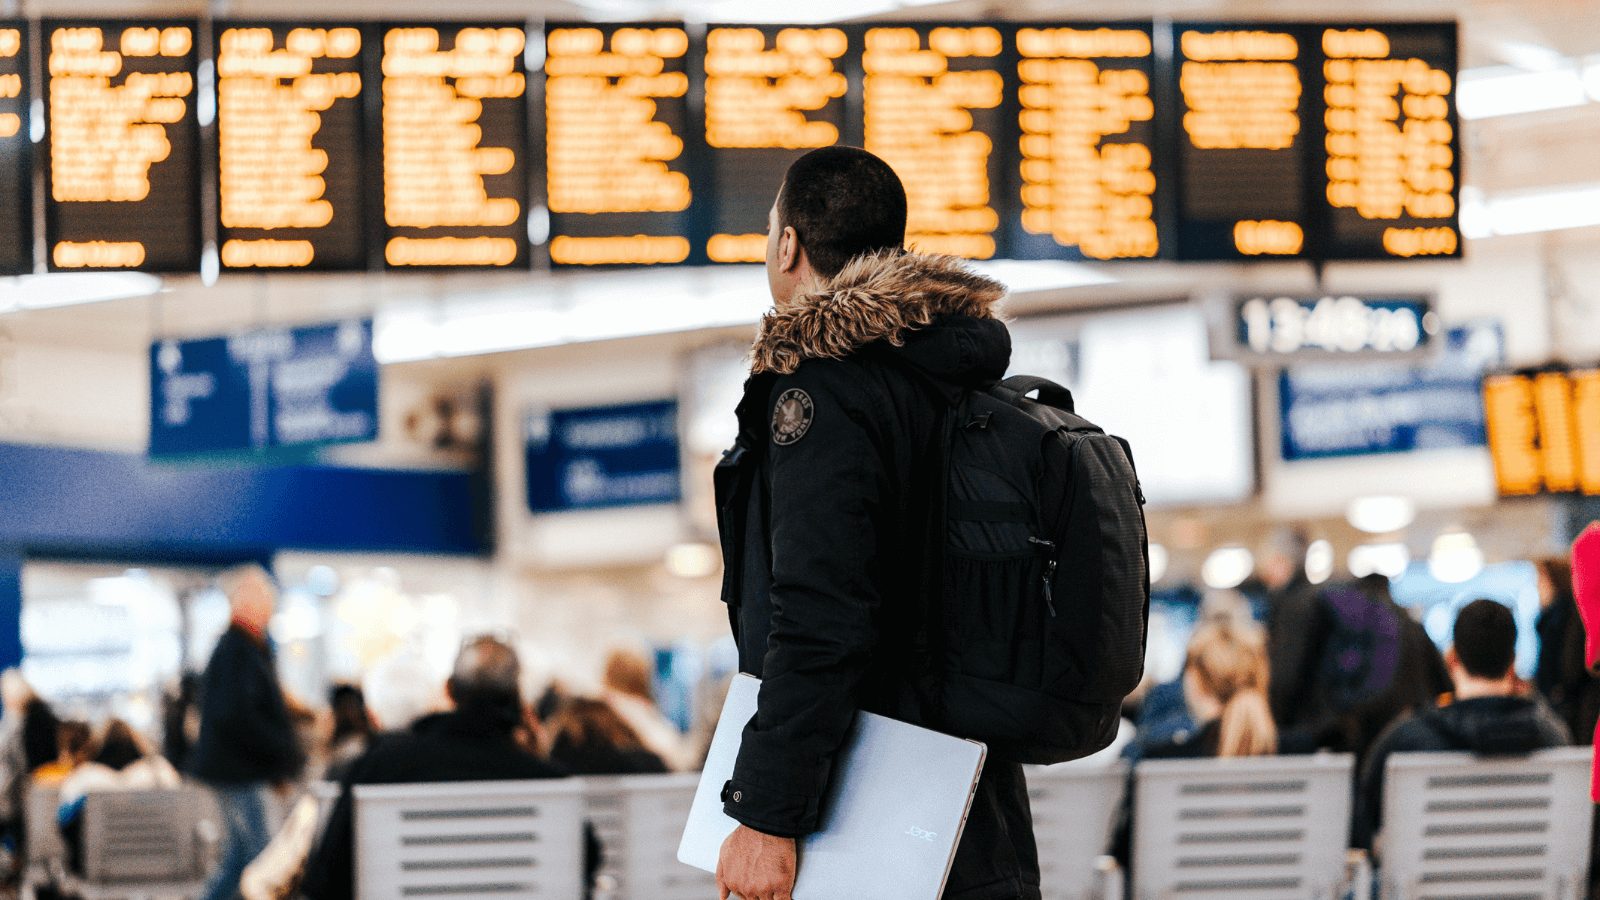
[1544, 431]
[454, 141]
[1086, 111]
[1241, 157]
[123, 180]
[16, 213]
[615, 119]
[770, 95]
[288, 146]
[1390, 157]
[921, 88]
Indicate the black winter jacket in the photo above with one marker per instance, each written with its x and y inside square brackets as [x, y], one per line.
[245, 733]
[1488, 726]
[473, 743]
[825, 506]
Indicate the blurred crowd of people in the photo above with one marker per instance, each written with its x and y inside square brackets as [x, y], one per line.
[258, 750]
[1332, 667]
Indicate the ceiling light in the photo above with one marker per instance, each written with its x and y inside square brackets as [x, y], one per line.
[1319, 561]
[1380, 514]
[1506, 91]
[1158, 563]
[72, 288]
[1227, 567]
[1387, 559]
[1526, 213]
[693, 560]
[1456, 558]
[1591, 80]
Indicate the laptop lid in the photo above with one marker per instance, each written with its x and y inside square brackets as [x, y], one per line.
[891, 820]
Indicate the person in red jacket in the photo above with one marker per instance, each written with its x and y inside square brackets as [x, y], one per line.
[1586, 591]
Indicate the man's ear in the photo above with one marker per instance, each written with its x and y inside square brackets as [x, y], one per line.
[789, 249]
[1451, 660]
[450, 690]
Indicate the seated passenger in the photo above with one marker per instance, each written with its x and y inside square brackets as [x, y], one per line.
[1488, 713]
[76, 743]
[122, 761]
[591, 739]
[1225, 687]
[630, 692]
[478, 740]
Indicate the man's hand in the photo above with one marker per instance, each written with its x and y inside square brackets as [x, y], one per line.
[756, 866]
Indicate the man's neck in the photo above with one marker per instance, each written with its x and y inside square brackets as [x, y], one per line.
[1473, 688]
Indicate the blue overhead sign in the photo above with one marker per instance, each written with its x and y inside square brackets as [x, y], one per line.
[266, 389]
[1359, 409]
[603, 457]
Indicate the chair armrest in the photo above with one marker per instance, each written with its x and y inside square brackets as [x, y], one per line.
[1358, 874]
[1110, 877]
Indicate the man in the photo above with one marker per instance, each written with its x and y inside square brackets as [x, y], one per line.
[477, 740]
[1359, 663]
[826, 506]
[247, 743]
[1489, 713]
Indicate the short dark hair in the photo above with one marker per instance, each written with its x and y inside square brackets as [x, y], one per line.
[842, 202]
[1486, 638]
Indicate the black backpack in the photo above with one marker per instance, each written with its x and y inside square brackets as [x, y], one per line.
[1039, 633]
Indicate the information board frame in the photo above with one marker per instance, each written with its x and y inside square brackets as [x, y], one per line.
[19, 144]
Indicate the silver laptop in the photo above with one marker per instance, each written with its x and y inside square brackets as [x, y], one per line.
[891, 820]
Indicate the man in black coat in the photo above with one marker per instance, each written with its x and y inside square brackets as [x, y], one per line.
[825, 506]
[247, 744]
[476, 741]
[1488, 714]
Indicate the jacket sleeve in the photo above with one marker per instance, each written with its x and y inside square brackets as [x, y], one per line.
[827, 486]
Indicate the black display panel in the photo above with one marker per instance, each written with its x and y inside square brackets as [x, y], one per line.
[291, 158]
[617, 131]
[452, 129]
[122, 145]
[1391, 159]
[772, 93]
[1085, 181]
[932, 99]
[1241, 95]
[16, 156]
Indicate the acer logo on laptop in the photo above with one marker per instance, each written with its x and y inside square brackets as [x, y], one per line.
[922, 833]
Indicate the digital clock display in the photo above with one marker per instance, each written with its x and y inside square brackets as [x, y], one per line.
[1333, 325]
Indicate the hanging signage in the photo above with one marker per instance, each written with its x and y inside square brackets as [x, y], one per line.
[1278, 330]
[267, 389]
[1329, 409]
[603, 457]
[1544, 431]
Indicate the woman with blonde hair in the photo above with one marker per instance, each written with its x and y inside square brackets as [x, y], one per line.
[1225, 684]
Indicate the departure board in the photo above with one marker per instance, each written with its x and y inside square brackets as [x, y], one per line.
[931, 107]
[1087, 143]
[290, 154]
[1544, 431]
[617, 123]
[771, 94]
[16, 169]
[454, 138]
[1391, 149]
[122, 145]
[1242, 94]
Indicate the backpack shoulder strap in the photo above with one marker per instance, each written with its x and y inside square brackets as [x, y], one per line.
[1051, 394]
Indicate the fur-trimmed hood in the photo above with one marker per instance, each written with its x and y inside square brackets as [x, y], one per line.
[878, 297]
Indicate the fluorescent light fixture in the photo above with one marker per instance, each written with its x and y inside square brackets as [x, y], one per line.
[72, 288]
[1158, 562]
[1319, 561]
[1227, 567]
[581, 307]
[1506, 91]
[1386, 559]
[1380, 514]
[1591, 78]
[1455, 558]
[1551, 210]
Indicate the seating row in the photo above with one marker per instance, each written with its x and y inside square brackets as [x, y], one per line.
[1455, 827]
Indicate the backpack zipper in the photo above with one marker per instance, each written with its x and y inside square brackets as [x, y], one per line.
[1048, 549]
